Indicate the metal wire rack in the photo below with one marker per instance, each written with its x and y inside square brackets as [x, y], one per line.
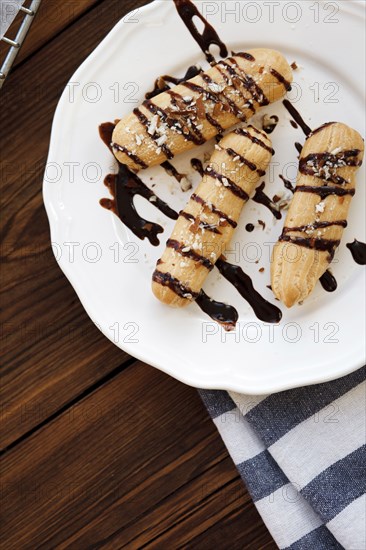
[16, 43]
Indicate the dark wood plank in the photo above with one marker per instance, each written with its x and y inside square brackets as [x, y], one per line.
[52, 352]
[52, 18]
[136, 464]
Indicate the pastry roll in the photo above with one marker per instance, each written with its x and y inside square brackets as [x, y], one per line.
[318, 211]
[205, 227]
[196, 110]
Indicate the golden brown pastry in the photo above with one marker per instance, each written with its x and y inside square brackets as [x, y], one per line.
[318, 211]
[204, 229]
[198, 109]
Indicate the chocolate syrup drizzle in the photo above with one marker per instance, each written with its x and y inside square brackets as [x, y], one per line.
[213, 209]
[181, 115]
[270, 127]
[198, 166]
[172, 171]
[227, 182]
[244, 161]
[261, 198]
[257, 141]
[299, 147]
[264, 310]
[220, 98]
[321, 244]
[105, 133]
[324, 166]
[226, 70]
[281, 79]
[166, 279]
[161, 83]
[226, 315]
[187, 11]
[358, 251]
[315, 225]
[297, 117]
[129, 153]
[328, 281]
[181, 249]
[287, 184]
[201, 225]
[246, 81]
[124, 186]
[324, 190]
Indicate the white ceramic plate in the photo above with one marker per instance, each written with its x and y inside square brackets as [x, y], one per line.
[111, 269]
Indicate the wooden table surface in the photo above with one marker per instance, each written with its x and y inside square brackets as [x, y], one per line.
[98, 449]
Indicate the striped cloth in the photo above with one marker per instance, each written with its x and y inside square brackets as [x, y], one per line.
[302, 455]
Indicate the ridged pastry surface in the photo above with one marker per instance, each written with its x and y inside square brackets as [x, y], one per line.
[318, 212]
[195, 111]
[206, 225]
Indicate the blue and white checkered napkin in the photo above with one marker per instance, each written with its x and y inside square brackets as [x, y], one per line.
[302, 455]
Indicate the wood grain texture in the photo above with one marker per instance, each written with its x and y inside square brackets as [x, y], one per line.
[136, 464]
[102, 451]
[52, 18]
[41, 314]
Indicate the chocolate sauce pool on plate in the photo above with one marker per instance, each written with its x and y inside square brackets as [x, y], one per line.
[358, 251]
[298, 147]
[328, 281]
[124, 186]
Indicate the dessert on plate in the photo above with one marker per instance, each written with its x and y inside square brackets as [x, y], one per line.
[318, 211]
[205, 227]
[198, 109]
